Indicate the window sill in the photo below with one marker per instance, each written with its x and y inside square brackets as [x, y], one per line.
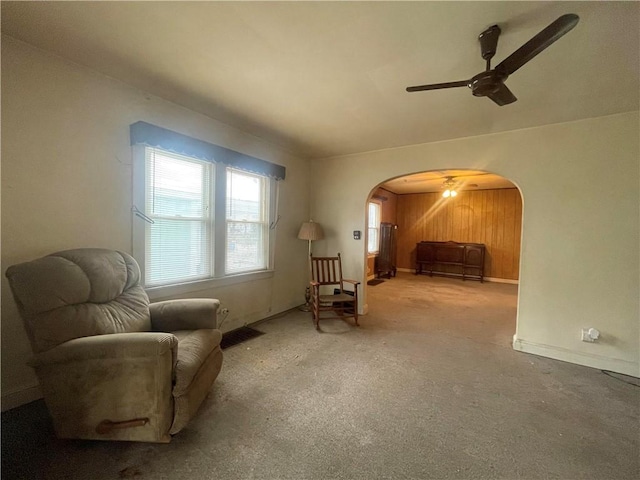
[156, 293]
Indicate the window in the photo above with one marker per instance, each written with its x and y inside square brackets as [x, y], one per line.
[373, 238]
[201, 220]
[247, 225]
[178, 243]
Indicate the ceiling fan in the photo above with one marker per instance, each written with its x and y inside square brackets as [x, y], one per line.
[490, 83]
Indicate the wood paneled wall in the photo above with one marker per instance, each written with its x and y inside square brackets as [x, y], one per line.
[492, 217]
[389, 201]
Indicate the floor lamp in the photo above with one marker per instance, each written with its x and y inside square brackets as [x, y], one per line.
[309, 231]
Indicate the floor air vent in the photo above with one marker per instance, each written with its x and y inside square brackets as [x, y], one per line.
[239, 335]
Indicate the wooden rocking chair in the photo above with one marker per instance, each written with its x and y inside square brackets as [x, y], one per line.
[327, 272]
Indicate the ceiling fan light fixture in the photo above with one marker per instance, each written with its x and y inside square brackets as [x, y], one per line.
[449, 185]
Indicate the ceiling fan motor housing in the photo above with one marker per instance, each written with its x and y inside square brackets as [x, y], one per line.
[487, 83]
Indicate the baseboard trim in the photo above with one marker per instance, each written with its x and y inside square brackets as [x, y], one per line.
[488, 279]
[580, 358]
[501, 280]
[21, 396]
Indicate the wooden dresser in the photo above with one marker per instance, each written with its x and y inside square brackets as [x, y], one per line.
[465, 260]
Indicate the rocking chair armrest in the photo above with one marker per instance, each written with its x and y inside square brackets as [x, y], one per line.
[352, 282]
[313, 283]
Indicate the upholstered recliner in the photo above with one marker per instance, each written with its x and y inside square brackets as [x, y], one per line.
[111, 366]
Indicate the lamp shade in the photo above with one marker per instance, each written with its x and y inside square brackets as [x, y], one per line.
[310, 231]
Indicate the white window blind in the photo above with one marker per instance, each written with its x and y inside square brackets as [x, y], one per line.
[374, 228]
[247, 217]
[179, 241]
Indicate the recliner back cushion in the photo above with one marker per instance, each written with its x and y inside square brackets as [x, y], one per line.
[79, 293]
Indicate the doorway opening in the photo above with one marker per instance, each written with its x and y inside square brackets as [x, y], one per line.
[472, 218]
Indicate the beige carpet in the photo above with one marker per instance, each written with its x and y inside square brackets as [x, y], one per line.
[427, 387]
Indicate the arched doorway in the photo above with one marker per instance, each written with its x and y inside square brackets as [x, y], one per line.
[455, 208]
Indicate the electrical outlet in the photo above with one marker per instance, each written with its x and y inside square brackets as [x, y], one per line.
[590, 335]
[585, 335]
[224, 311]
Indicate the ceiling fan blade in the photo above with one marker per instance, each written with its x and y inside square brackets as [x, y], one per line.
[503, 96]
[438, 86]
[464, 175]
[538, 43]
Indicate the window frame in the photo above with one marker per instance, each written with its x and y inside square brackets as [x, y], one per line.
[376, 228]
[218, 242]
[205, 219]
[263, 222]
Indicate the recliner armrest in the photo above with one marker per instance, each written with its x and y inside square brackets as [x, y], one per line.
[186, 314]
[111, 346]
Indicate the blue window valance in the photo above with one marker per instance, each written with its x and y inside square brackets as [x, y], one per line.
[143, 133]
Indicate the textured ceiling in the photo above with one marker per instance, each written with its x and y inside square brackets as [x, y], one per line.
[328, 78]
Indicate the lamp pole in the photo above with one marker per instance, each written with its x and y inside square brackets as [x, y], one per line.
[309, 231]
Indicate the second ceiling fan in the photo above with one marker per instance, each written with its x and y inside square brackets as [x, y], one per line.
[490, 83]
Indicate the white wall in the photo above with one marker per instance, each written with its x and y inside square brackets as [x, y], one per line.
[66, 183]
[580, 244]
